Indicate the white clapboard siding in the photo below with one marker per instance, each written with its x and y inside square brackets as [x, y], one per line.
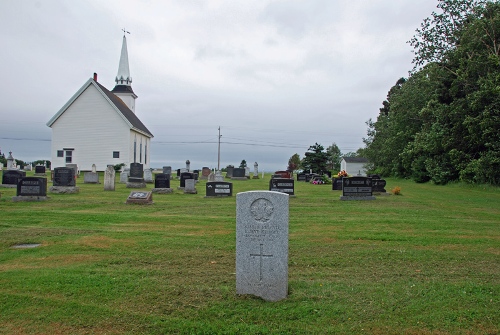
[94, 129]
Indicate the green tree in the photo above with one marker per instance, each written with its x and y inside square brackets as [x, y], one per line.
[243, 164]
[334, 156]
[315, 159]
[293, 162]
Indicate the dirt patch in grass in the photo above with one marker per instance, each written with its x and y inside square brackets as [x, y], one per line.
[48, 262]
[103, 242]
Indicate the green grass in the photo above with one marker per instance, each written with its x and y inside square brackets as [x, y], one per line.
[424, 262]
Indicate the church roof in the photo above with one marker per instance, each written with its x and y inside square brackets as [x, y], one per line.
[117, 103]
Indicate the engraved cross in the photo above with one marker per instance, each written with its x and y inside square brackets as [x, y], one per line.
[260, 255]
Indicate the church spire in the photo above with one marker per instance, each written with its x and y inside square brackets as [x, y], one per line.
[123, 88]
[123, 76]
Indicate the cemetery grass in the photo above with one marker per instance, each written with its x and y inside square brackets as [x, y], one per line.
[424, 262]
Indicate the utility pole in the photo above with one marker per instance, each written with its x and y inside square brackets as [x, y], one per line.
[218, 158]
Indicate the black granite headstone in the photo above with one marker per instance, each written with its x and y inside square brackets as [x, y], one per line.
[239, 173]
[283, 185]
[12, 177]
[378, 185]
[162, 180]
[219, 189]
[32, 187]
[184, 176]
[64, 176]
[337, 184]
[39, 169]
[357, 187]
[136, 173]
[301, 177]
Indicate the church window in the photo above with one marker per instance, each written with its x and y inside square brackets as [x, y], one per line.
[116, 154]
[69, 156]
[60, 153]
[140, 153]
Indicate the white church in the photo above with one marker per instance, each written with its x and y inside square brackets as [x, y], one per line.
[98, 126]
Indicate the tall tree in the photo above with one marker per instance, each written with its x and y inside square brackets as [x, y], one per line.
[334, 156]
[243, 164]
[315, 159]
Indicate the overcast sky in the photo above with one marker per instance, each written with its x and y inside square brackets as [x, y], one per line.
[276, 75]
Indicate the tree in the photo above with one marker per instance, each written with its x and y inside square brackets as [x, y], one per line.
[315, 159]
[293, 162]
[334, 156]
[243, 164]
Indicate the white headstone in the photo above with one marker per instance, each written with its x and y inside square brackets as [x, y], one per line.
[109, 178]
[218, 176]
[262, 244]
[189, 186]
[148, 176]
[94, 169]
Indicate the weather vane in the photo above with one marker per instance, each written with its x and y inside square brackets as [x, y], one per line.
[124, 31]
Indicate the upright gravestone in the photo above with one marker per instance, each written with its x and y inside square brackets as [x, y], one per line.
[247, 172]
[357, 188]
[337, 184]
[162, 184]
[91, 177]
[255, 171]
[189, 187]
[238, 174]
[262, 244]
[218, 189]
[11, 162]
[229, 171]
[40, 170]
[136, 177]
[378, 185]
[301, 177]
[64, 181]
[211, 177]
[184, 176]
[31, 189]
[74, 167]
[218, 176]
[283, 185]
[10, 178]
[124, 176]
[188, 165]
[148, 176]
[167, 170]
[205, 172]
[109, 178]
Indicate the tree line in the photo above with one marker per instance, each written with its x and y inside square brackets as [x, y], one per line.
[442, 123]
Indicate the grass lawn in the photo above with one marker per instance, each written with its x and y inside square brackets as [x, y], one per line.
[424, 262]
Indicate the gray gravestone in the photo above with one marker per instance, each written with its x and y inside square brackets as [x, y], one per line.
[124, 176]
[211, 177]
[188, 165]
[229, 171]
[189, 186]
[167, 170]
[109, 178]
[64, 181]
[136, 176]
[148, 176]
[255, 171]
[262, 244]
[218, 176]
[91, 178]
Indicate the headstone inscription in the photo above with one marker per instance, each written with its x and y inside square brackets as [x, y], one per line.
[357, 188]
[136, 176]
[64, 176]
[337, 184]
[12, 177]
[301, 177]
[162, 180]
[40, 170]
[109, 178]
[239, 174]
[262, 244]
[283, 185]
[189, 187]
[31, 189]
[378, 185]
[219, 189]
[140, 198]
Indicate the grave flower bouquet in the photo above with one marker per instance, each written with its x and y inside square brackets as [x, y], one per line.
[342, 173]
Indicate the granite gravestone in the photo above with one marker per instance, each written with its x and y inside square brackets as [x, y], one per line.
[64, 176]
[109, 178]
[12, 177]
[148, 176]
[255, 171]
[140, 198]
[136, 176]
[211, 177]
[229, 171]
[283, 185]
[378, 185]
[189, 187]
[124, 175]
[337, 184]
[219, 176]
[31, 189]
[219, 189]
[357, 188]
[262, 244]
[205, 172]
[40, 170]
[91, 177]
[162, 180]
[301, 177]
[184, 176]
[167, 170]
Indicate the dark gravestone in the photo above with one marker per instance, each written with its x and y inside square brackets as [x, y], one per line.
[309, 177]
[184, 176]
[283, 185]
[378, 185]
[239, 173]
[178, 172]
[162, 180]
[64, 176]
[301, 177]
[12, 177]
[136, 173]
[337, 184]
[283, 174]
[357, 188]
[39, 169]
[219, 189]
[229, 171]
[167, 170]
[32, 187]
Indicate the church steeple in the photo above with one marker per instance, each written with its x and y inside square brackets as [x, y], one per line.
[123, 88]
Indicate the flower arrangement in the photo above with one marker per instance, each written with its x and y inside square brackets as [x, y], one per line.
[396, 190]
[342, 173]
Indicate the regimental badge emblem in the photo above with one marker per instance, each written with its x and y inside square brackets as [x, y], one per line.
[262, 210]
